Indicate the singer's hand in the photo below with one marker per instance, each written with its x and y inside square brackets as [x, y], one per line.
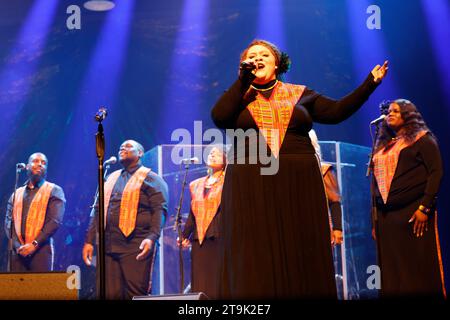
[379, 72]
[247, 70]
[420, 223]
[248, 64]
[26, 250]
[336, 237]
[145, 247]
[184, 244]
[88, 251]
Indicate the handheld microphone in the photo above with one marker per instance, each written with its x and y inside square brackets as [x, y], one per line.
[377, 120]
[193, 160]
[101, 114]
[20, 166]
[110, 161]
[247, 65]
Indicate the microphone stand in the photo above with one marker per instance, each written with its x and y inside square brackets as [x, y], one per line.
[100, 149]
[370, 165]
[96, 191]
[177, 227]
[11, 226]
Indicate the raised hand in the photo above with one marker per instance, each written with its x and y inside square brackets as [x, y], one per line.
[379, 72]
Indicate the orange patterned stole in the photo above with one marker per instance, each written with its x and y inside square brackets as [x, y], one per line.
[324, 168]
[272, 116]
[130, 198]
[385, 163]
[36, 212]
[204, 207]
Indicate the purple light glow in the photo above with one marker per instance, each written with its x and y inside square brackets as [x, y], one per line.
[271, 29]
[437, 14]
[20, 73]
[185, 80]
[99, 86]
[368, 50]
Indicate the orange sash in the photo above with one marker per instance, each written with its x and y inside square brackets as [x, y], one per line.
[385, 164]
[273, 115]
[324, 168]
[204, 207]
[130, 198]
[36, 212]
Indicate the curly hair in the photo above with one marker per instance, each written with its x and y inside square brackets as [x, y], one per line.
[413, 123]
[282, 60]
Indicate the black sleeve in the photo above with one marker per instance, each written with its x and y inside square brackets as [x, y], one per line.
[92, 228]
[54, 215]
[336, 215]
[329, 111]
[227, 108]
[189, 226]
[91, 234]
[158, 199]
[8, 219]
[431, 156]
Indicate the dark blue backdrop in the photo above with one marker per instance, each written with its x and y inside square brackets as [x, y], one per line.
[159, 66]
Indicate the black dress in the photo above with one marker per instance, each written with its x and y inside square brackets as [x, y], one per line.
[275, 230]
[410, 265]
[205, 257]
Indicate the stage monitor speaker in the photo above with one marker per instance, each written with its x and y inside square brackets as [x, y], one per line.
[36, 286]
[189, 296]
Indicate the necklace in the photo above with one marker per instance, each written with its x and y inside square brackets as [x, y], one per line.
[211, 181]
[392, 142]
[267, 89]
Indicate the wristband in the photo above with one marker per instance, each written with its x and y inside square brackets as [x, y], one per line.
[424, 209]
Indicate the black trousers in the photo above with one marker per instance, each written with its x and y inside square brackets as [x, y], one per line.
[40, 261]
[126, 277]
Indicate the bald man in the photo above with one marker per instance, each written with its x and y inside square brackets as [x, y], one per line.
[135, 207]
[38, 212]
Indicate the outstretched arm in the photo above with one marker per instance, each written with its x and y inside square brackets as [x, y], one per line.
[331, 111]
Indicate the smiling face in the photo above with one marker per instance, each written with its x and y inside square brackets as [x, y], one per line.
[265, 61]
[394, 117]
[37, 166]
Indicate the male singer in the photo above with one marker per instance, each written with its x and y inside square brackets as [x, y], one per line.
[37, 213]
[135, 209]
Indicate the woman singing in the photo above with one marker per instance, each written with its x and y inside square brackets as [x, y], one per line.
[276, 236]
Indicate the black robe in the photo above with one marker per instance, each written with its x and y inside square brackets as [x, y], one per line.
[275, 230]
[410, 265]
